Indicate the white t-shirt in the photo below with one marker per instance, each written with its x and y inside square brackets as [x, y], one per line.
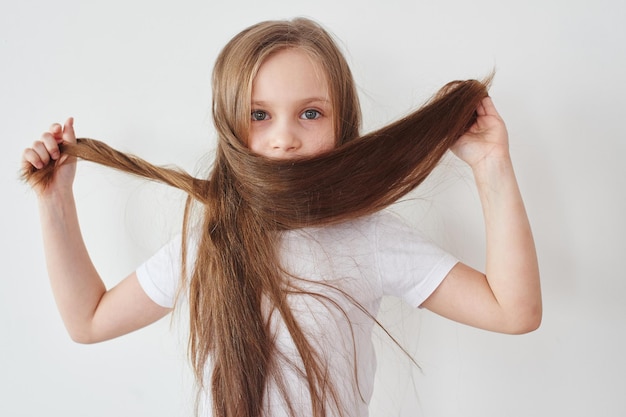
[365, 258]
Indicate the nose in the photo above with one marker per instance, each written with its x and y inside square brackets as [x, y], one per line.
[284, 138]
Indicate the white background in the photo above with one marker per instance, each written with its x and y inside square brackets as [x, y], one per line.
[135, 73]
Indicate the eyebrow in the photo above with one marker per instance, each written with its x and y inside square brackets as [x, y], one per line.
[299, 102]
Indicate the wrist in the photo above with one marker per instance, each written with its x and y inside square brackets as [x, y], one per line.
[54, 197]
[493, 163]
[494, 173]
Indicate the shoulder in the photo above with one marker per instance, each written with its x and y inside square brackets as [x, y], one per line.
[410, 266]
[160, 275]
[391, 230]
[397, 240]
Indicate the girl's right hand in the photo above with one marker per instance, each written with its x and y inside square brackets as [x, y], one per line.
[46, 151]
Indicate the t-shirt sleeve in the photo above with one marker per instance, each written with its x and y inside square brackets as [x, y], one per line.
[159, 276]
[410, 266]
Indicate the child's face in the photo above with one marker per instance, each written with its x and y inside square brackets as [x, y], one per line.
[292, 115]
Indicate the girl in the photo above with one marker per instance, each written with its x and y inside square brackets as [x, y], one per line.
[286, 269]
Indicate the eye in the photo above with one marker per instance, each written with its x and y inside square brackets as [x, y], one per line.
[259, 115]
[311, 114]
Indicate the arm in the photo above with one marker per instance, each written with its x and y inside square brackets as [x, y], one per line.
[89, 311]
[507, 298]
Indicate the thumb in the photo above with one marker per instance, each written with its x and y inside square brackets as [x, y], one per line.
[68, 131]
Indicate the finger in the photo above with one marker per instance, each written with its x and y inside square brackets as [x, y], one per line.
[42, 153]
[480, 109]
[56, 130]
[30, 157]
[51, 145]
[488, 107]
[68, 131]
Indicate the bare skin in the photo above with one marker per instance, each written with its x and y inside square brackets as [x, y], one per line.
[507, 298]
[90, 312]
[288, 114]
[291, 110]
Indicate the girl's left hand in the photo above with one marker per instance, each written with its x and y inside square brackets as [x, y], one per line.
[487, 138]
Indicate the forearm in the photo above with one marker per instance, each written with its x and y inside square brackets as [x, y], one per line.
[75, 283]
[511, 266]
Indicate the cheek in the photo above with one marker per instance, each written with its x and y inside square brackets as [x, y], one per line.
[326, 144]
[257, 148]
[327, 139]
[256, 135]
[254, 142]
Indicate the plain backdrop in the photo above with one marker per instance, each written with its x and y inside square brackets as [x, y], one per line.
[135, 73]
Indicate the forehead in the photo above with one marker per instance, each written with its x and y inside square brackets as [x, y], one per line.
[289, 74]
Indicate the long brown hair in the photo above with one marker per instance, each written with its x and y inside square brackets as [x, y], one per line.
[247, 200]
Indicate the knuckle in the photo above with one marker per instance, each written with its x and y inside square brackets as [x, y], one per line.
[40, 148]
[26, 154]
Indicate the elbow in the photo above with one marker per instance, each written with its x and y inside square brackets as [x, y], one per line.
[527, 327]
[82, 336]
[527, 322]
